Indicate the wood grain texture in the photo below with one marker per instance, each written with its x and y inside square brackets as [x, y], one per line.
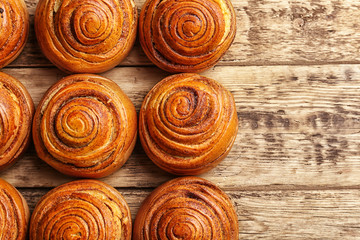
[269, 32]
[294, 170]
[329, 214]
[298, 126]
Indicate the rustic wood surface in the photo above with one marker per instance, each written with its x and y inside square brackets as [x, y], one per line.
[294, 170]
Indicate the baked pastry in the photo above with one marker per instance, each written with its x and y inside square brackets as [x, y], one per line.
[88, 36]
[186, 36]
[14, 30]
[14, 213]
[16, 112]
[188, 124]
[85, 126]
[186, 208]
[85, 209]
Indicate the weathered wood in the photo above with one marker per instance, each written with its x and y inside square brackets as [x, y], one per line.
[331, 214]
[269, 32]
[298, 126]
[294, 170]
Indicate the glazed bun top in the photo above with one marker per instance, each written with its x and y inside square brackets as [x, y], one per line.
[186, 35]
[188, 124]
[186, 208]
[14, 213]
[16, 113]
[85, 126]
[83, 209]
[14, 29]
[86, 36]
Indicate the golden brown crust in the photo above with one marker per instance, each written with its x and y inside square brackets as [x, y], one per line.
[188, 124]
[85, 126]
[16, 112]
[85, 209]
[186, 35]
[14, 213]
[14, 30]
[86, 36]
[186, 208]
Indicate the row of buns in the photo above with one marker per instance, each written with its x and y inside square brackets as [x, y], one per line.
[86, 126]
[182, 208]
[95, 36]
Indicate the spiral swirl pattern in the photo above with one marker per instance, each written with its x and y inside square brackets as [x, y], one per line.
[186, 208]
[85, 126]
[186, 35]
[14, 29]
[86, 209]
[14, 213]
[16, 112]
[188, 124]
[86, 36]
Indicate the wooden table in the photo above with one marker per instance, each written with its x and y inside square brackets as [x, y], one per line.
[294, 70]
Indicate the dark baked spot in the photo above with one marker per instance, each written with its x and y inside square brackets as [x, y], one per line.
[192, 195]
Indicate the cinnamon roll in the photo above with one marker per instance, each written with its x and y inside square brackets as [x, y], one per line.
[88, 36]
[188, 124]
[16, 112]
[85, 209]
[85, 126]
[186, 35]
[14, 213]
[14, 30]
[186, 208]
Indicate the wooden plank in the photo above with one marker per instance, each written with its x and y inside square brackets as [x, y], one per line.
[269, 32]
[298, 126]
[331, 214]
